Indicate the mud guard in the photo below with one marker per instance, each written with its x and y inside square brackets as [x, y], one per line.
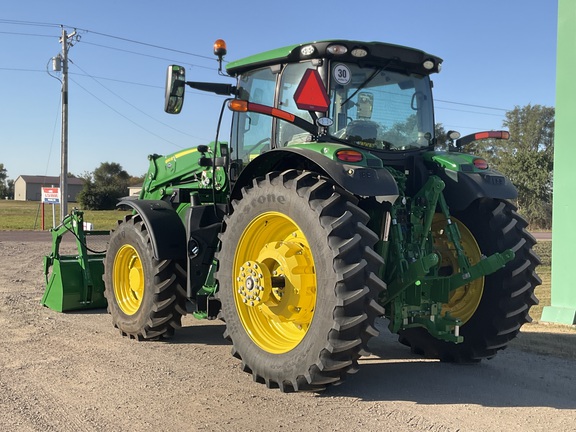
[358, 180]
[166, 229]
[462, 188]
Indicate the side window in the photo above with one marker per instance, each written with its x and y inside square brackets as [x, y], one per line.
[291, 76]
[251, 132]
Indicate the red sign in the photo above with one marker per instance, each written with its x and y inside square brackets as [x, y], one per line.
[311, 93]
[51, 195]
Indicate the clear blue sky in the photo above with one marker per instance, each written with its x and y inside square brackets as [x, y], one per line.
[497, 54]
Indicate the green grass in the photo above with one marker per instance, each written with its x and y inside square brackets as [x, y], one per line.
[27, 215]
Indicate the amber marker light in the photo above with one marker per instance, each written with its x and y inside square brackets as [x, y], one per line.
[238, 105]
[349, 155]
[220, 48]
[243, 106]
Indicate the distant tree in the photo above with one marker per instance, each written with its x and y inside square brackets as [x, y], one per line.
[104, 187]
[10, 185]
[136, 180]
[441, 137]
[4, 186]
[526, 158]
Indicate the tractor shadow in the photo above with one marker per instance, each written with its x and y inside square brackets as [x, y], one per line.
[513, 378]
[202, 332]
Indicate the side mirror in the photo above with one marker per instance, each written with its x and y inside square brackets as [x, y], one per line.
[175, 83]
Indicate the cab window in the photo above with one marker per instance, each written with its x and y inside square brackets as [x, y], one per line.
[251, 131]
[291, 76]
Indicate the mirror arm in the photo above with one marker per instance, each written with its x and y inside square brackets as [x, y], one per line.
[218, 88]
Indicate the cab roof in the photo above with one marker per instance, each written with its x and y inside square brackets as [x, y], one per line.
[395, 57]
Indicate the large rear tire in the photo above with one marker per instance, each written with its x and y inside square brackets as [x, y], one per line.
[493, 308]
[145, 296]
[297, 281]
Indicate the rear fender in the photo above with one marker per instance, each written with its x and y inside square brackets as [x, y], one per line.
[356, 179]
[167, 232]
[465, 182]
[463, 188]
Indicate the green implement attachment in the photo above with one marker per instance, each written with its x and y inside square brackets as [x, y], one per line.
[75, 281]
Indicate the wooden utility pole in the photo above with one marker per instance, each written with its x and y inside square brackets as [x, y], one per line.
[64, 40]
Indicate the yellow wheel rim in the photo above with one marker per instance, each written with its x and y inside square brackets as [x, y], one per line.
[274, 282]
[128, 280]
[463, 301]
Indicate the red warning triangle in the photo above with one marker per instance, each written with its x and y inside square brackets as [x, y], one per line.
[311, 94]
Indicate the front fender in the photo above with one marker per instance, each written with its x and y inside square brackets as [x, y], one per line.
[166, 230]
[356, 179]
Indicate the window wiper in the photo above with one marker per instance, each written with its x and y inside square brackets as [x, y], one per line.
[366, 82]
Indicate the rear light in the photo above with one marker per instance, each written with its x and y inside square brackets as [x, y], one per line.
[480, 164]
[349, 156]
[492, 134]
[461, 142]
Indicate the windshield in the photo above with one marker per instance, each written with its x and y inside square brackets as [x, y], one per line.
[379, 109]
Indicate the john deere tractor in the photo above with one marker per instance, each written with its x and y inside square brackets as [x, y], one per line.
[327, 207]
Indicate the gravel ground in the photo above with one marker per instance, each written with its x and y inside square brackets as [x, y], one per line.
[74, 372]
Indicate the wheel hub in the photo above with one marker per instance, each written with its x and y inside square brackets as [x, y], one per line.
[253, 278]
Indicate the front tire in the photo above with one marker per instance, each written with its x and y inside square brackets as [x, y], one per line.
[495, 307]
[145, 296]
[297, 281]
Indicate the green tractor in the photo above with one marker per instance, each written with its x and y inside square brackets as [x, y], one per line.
[328, 207]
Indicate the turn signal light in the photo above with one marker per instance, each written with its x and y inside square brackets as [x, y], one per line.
[238, 105]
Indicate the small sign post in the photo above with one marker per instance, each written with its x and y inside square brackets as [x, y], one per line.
[50, 195]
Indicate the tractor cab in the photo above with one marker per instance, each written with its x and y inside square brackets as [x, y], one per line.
[373, 96]
[345, 94]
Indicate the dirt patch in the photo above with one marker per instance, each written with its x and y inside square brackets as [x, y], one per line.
[74, 372]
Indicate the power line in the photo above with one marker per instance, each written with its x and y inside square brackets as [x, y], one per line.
[29, 23]
[467, 111]
[122, 115]
[145, 55]
[43, 24]
[134, 106]
[470, 105]
[28, 34]
[147, 44]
